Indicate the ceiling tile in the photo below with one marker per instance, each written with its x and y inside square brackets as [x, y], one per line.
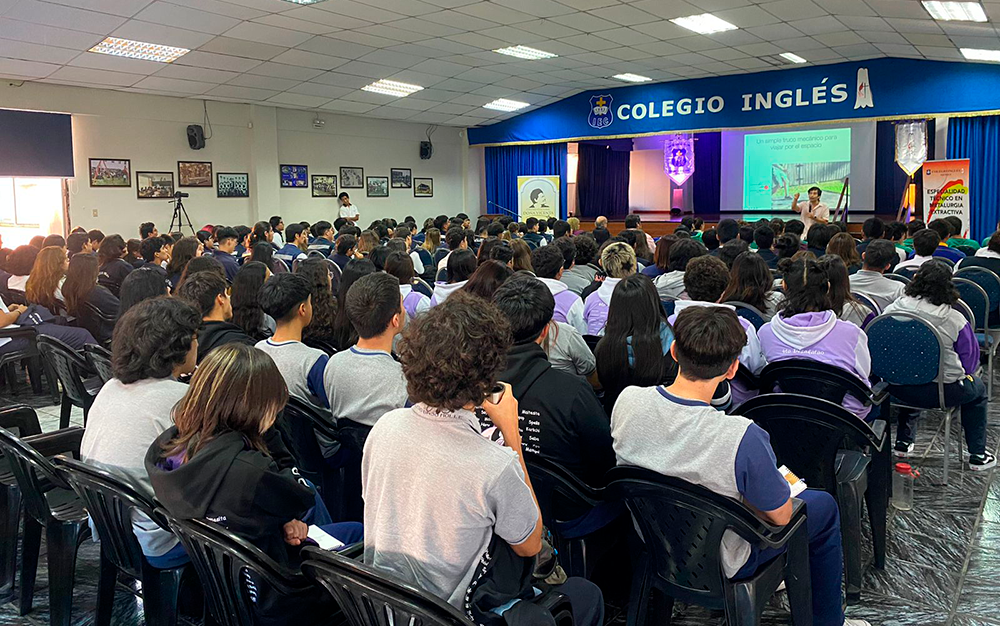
[317, 16]
[298, 99]
[495, 13]
[926, 39]
[359, 10]
[203, 74]
[243, 93]
[188, 18]
[403, 7]
[211, 60]
[819, 25]
[252, 31]
[858, 51]
[427, 117]
[47, 35]
[418, 50]
[96, 77]
[291, 23]
[243, 48]
[915, 26]
[627, 54]
[316, 89]
[271, 83]
[940, 53]
[898, 8]
[439, 68]
[848, 7]
[874, 36]
[864, 23]
[392, 59]
[624, 14]
[14, 68]
[175, 85]
[669, 10]
[773, 32]
[413, 103]
[899, 50]
[158, 33]
[348, 106]
[116, 64]
[538, 8]
[64, 17]
[33, 52]
[789, 10]
[417, 78]
[370, 70]
[124, 8]
[391, 33]
[749, 17]
[424, 26]
[309, 59]
[219, 7]
[336, 47]
[339, 79]
[281, 70]
[840, 39]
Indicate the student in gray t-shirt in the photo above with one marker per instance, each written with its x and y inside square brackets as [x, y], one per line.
[364, 382]
[154, 344]
[436, 490]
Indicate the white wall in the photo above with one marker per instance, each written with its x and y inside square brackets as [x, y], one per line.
[150, 131]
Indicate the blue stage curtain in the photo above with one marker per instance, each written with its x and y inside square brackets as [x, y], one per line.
[707, 177]
[890, 179]
[505, 163]
[602, 181]
[978, 139]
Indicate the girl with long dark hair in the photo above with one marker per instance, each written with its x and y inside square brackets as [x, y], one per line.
[184, 250]
[81, 289]
[845, 305]
[263, 252]
[113, 268]
[324, 306]
[344, 335]
[635, 348]
[247, 313]
[415, 302]
[487, 279]
[751, 283]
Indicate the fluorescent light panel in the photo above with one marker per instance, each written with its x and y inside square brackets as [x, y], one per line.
[506, 105]
[524, 52]
[392, 88]
[704, 24]
[632, 78]
[955, 11]
[790, 56]
[977, 54]
[139, 50]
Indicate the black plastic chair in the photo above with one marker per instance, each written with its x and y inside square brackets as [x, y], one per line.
[370, 598]
[681, 528]
[899, 278]
[29, 356]
[819, 380]
[99, 360]
[100, 324]
[233, 572]
[79, 382]
[49, 503]
[748, 312]
[906, 272]
[592, 341]
[110, 501]
[24, 420]
[562, 498]
[808, 434]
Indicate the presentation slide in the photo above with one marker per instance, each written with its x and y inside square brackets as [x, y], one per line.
[776, 166]
[762, 170]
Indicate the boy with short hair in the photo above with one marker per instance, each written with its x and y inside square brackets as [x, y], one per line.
[209, 292]
[323, 230]
[675, 431]
[154, 252]
[879, 255]
[347, 247]
[287, 299]
[925, 244]
[227, 239]
[295, 236]
[548, 265]
[618, 261]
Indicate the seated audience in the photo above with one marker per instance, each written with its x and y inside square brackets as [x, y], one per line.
[323, 242]
[286, 298]
[584, 270]
[618, 261]
[727, 230]
[346, 250]
[461, 266]
[635, 348]
[521, 256]
[324, 305]
[730, 250]
[533, 238]
[133, 255]
[957, 233]
[45, 281]
[227, 239]
[344, 335]
[870, 281]
[464, 482]
[751, 283]
[925, 245]
[818, 238]
[220, 462]
[113, 269]
[95, 237]
[247, 311]
[94, 307]
[807, 328]
[184, 250]
[205, 263]
[845, 305]
[763, 236]
[155, 255]
[988, 256]
[155, 343]
[670, 286]
[141, 285]
[661, 257]
[932, 295]
[415, 303]
[548, 265]
[895, 232]
[264, 252]
[675, 431]
[209, 292]
[456, 240]
[78, 243]
[291, 251]
[845, 246]
[873, 230]
[487, 279]
[567, 424]
[945, 232]
[364, 382]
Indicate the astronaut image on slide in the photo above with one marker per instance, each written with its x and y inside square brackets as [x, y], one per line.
[788, 179]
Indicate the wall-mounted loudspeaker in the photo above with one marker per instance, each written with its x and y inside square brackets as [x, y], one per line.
[196, 136]
[426, 150]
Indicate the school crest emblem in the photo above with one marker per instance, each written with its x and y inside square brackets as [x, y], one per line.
[600, 112]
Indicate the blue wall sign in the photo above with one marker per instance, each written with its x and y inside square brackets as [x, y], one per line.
[876, 88]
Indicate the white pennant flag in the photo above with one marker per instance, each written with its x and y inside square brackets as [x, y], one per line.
[911, 145]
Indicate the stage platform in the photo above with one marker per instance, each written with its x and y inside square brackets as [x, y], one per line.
[667, 224]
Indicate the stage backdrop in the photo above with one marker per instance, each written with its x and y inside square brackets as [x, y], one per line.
[504, 164]
[978, 139]
[876, 88]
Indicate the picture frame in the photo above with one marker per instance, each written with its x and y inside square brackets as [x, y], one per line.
[352, 178]
[377, 186]
[110, 172]
[194, 174]
[324, 186]
[423, 187]
[232, 185]
[401, 177]
[294, 176]
[154, 185]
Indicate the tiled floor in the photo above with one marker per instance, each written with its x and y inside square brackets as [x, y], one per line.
[943, 564]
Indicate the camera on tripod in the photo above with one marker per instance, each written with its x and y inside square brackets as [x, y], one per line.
[180, 216]
[181, 194]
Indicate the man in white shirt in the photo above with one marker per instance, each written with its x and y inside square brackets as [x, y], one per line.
[813, 211]
[347, 210]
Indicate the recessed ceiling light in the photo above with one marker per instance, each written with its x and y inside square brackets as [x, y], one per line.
[632, 78]
[139, 50]
[506, 105]
[704, 24]
[790, 56]
[392, 88]
[977, 54]
[524, 52]
[955, 11]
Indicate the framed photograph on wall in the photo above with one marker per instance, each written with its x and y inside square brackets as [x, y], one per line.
[194, 174]
[110, 173]
[377, 186]
[295, 176]
[154, 185]
[401, 178]
[352, 178]
[324, 186]
[232, 185]
[423, 187]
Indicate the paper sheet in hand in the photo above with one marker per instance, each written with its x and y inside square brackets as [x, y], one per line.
[325, 540]
[797, 484]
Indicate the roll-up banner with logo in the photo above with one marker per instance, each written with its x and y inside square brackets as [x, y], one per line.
[946, 191]
[877, 88]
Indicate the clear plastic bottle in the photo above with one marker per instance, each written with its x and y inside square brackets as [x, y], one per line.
[902, 486]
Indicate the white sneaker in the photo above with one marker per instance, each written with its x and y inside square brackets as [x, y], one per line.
[982, 462]
[856, 622]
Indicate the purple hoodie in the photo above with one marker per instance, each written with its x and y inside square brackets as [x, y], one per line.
[414, 302]
[569, 306]
[820, 337]
[595, 309]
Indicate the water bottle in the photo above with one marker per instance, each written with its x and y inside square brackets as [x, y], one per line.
[902, 486]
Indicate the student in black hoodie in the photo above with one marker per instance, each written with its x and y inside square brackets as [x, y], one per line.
[215, 463]
[209, 292]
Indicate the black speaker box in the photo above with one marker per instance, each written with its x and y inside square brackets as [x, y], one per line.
[426, 149]
[196, 137]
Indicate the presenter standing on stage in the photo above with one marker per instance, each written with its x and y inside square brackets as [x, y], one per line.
[812, 212]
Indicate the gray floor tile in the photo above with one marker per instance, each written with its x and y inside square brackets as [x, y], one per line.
[919, 586]
[980, 596]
